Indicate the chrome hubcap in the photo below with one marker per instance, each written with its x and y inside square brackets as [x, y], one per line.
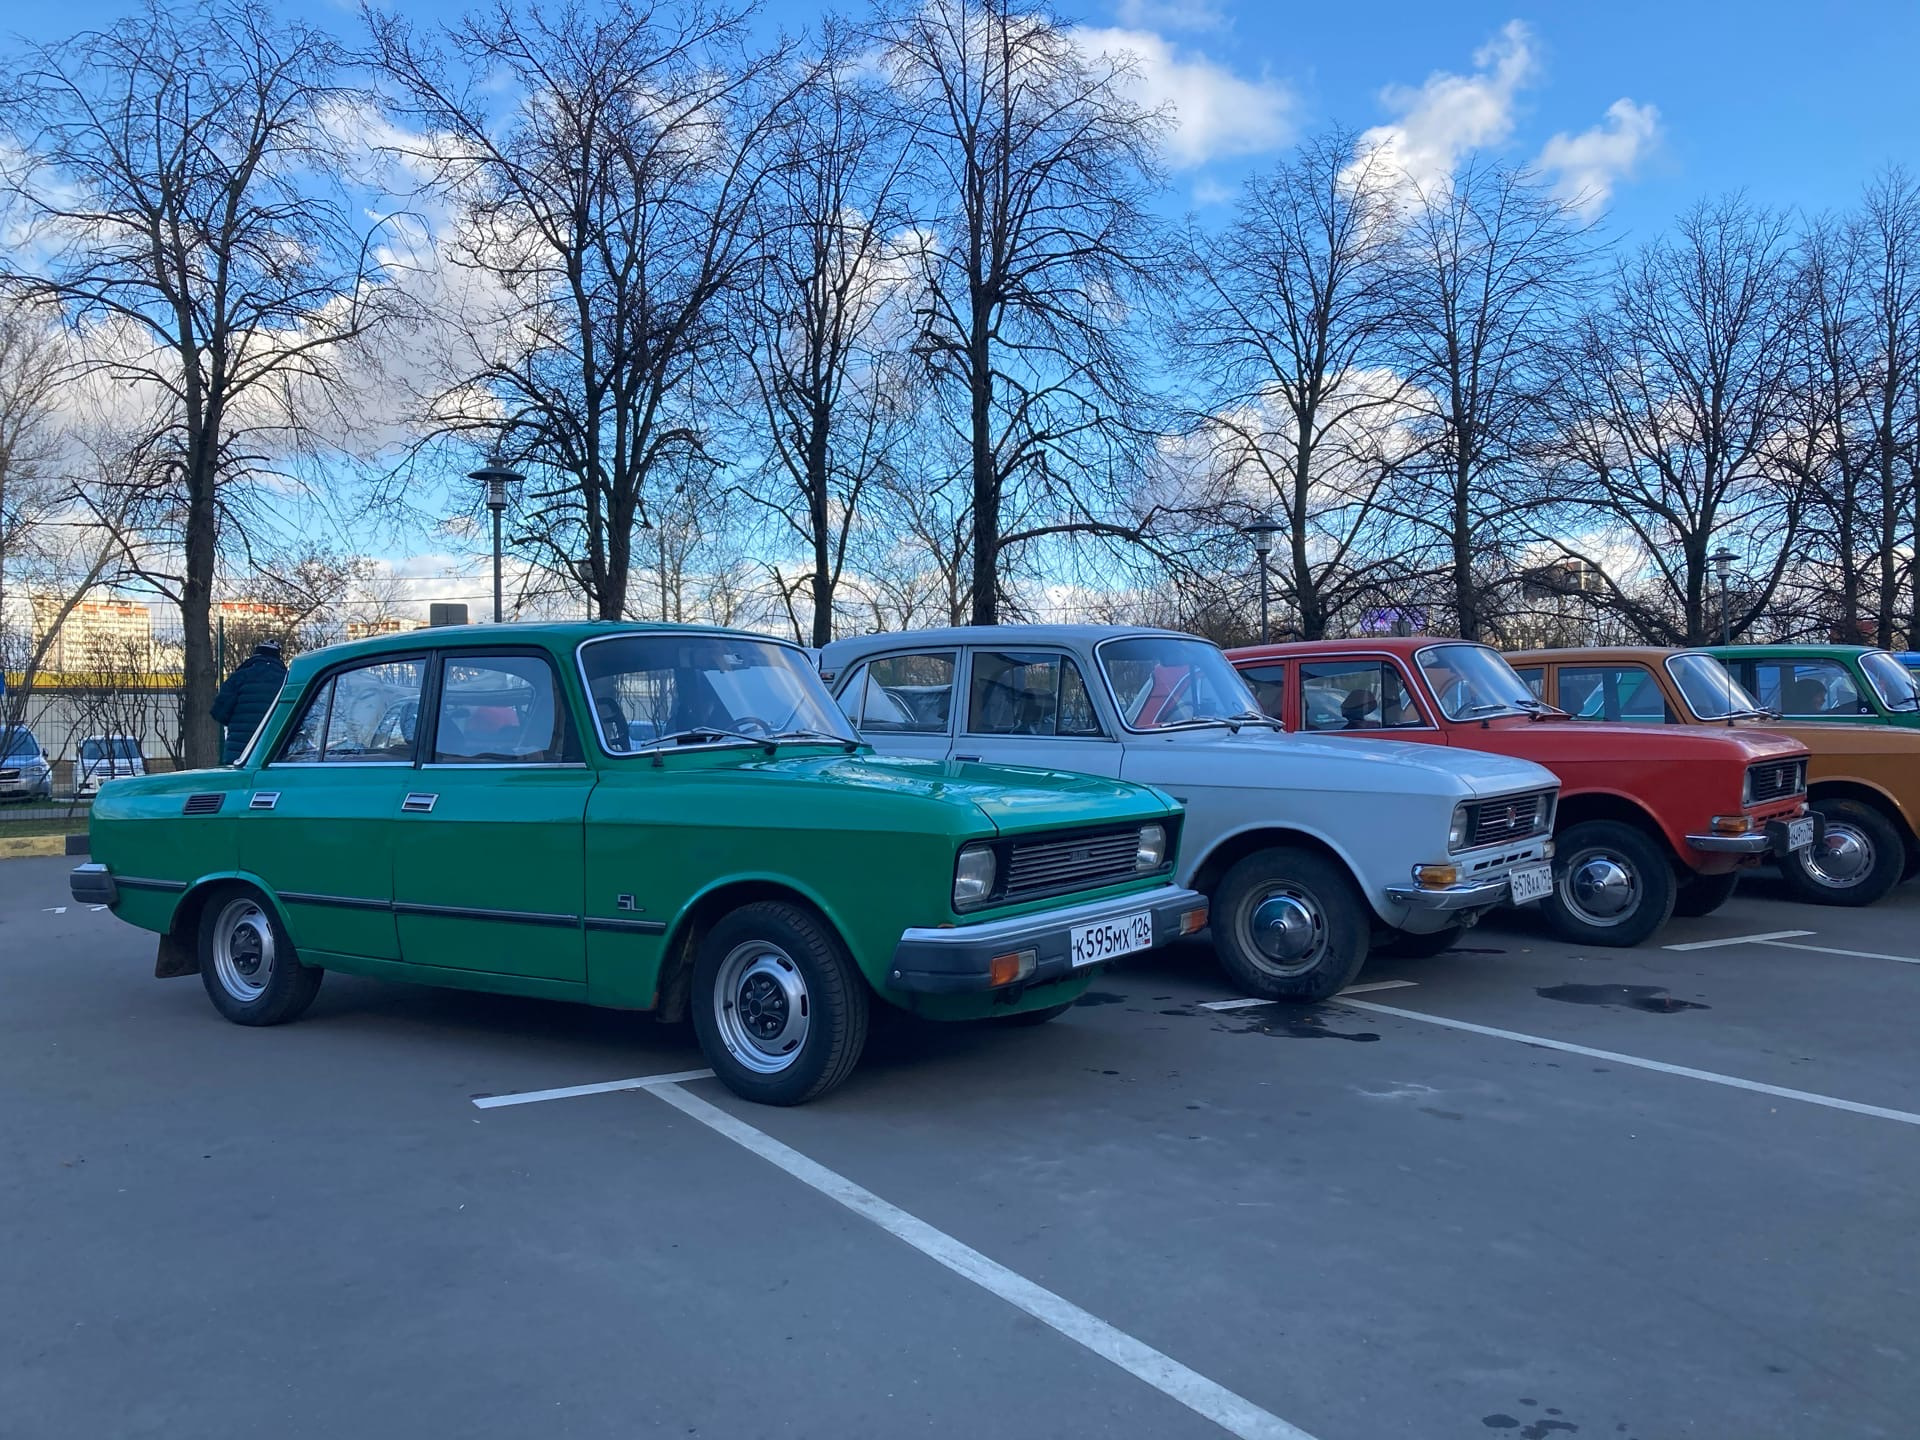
[760, 1007]
[1599, 887]
[1840, 858]
[243, 950]
[1284, 930]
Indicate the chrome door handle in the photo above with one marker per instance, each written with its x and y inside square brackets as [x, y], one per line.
[418, 803]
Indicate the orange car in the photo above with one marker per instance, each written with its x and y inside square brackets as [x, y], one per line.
[1864, 779]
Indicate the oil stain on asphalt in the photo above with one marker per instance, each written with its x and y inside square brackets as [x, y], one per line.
[1652, 998]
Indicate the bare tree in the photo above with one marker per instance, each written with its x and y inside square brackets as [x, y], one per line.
[1671, 416]
[826, 321]
[1302, 419]
[1490, 262]
[611, 210]
[29, 493]
[181, 183]
[1887, 233]
[1033, 170]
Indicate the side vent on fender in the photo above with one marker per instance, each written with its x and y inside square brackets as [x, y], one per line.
[203, 804]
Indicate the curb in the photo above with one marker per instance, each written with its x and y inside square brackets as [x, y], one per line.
[35, 847]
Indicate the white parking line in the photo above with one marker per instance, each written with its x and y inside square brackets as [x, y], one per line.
[1831, 1102]
[1233, 1413]
[1350, 990]
[1739, 940]
[1831, 950]
[567, 1092]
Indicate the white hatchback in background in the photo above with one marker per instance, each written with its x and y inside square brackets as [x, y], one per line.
[105, 757]
[1310, 850]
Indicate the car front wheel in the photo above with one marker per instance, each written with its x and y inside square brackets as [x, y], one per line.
[1704, 894]
[780, 1010]
[1612, 884]
[250, 969]
[1288, 924]
[1856, 861]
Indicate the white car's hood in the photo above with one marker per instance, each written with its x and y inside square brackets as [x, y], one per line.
[1259, 756]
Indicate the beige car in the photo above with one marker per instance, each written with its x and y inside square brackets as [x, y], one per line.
[1863, 780]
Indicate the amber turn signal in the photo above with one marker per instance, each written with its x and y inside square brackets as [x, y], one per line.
[1014, 965]
[1436, 877]
[1193, 921]
[1732, 824]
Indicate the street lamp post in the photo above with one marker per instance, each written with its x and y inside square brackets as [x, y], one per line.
[1723, 559]
[1261, 532]
[497, 478]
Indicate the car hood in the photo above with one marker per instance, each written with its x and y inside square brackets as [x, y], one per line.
[1259, 756]
[1015, 798]
[1824, 738]
[1586, 741]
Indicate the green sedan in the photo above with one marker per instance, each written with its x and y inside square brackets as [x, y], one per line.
[666, 818]
[1851, 683]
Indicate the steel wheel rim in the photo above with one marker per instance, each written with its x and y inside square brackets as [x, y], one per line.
[1600, 887]
[1283, 928]
[761, 1007]
[243, 951]
[1841, 858]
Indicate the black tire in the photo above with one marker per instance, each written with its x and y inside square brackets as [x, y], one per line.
[1600, 863]
[1704, 894]
[1423, 947]
[1860, 834]
[780, 1011]
[1331, 926]
[1026, 1019]
[249, 967]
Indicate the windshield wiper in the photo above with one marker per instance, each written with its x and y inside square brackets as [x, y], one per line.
[1540, 709]
[1486, 707]
[831, 739]
[699, 734]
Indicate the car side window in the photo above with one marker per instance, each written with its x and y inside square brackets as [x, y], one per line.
[362, 716]
[1269, 686]
[902, 694]
[501, 710]
[1804, 687]
[1614, 692]
[1535, 677]
[1029, 693]
[1357, 695]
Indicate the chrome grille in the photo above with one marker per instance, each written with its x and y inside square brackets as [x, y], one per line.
[6, 775]
[1508, 818]
[1775, 780]
[1081, 861]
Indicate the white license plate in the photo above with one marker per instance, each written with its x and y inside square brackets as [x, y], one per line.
[1800, 833]
[1534, 882]
[1094, 943]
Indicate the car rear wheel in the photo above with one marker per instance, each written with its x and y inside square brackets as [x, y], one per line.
[1856, 861]
[250, 969]
[1288, 924]
[1612, 884]
[1704, 894]
[780, 1010]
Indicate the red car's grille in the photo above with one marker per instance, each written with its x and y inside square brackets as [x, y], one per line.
[1511, 817]
[1775, 780]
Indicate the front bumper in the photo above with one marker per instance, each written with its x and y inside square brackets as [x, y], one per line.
[1473, 895]
[955, 959]
[93, 885]
[1770, 841]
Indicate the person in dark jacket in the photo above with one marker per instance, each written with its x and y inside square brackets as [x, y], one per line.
[249, 693]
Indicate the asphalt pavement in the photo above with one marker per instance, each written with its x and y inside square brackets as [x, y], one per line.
[1519, 1189]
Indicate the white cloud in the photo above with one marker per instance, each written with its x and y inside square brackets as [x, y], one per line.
[1170, 15]
[1212, 192]
[1589, 164]
[1215, 112]
[1449, 115]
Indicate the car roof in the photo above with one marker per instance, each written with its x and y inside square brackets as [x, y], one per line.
[550, 634]
[989, 634]
[1785, 651]
[1598, 652]
[1391, 644]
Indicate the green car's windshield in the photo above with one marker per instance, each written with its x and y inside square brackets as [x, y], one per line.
[1472, 682]
[1891, 680]
[1712, 692]
[650, 691]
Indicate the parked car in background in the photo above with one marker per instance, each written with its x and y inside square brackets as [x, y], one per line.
[1910, 659]
[25, 771]
[1651, 821]
[470, 807]
[101, 758]
[1863, 780]
[1826, 683]
[1309, 852]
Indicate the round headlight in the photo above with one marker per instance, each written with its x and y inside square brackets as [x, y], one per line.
[1457, 832]
[973, 876]
[1152, 851]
